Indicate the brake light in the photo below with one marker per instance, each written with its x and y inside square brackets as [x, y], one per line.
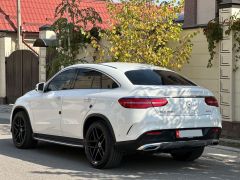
[142, 103]
[211, 101]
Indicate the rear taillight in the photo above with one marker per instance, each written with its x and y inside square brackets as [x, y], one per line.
[211, 101]
[142, 103]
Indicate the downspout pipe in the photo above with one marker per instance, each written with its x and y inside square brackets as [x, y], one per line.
[26, 44]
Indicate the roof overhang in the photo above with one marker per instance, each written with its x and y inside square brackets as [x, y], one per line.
[45, 43]
[228, 3]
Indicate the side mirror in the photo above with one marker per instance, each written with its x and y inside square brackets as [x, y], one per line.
[40, 87]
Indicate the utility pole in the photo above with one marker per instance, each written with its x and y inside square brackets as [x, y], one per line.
[69, 41]
[19, 24]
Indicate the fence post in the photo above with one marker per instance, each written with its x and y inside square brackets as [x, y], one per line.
[44, 33]
[229, 80]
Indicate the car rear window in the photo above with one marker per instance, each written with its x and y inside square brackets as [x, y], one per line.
[157, 77]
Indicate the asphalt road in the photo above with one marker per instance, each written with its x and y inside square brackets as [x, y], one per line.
[50, 161]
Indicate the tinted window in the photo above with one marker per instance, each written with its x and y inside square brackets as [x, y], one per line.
[171, 78]
[108, 83]
[144, 77]
[87, 79]
[90, 79]
[156, 77]
[62, 81]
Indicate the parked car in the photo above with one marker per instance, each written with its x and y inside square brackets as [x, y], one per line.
[112, 109]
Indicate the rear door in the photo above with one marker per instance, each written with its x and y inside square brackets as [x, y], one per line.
[77, 102]
[88, 88]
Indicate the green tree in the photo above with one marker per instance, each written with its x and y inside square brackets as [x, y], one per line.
[71, 25]
[145, 31]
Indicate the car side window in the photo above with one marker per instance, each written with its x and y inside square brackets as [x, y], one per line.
[91, 79]
[108, 83]
[62, 81]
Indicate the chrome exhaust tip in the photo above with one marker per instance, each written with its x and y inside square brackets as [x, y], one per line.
[149, 147]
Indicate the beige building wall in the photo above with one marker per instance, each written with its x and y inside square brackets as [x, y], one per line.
[2, 69]
[206, 10]
[5, 48]
[197, 69]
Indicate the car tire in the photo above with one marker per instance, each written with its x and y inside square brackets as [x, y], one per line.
[22, 133]
[187, 155]
[99, 147]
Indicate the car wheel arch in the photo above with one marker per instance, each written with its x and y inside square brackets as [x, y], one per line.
[19, 109]
[96, 117]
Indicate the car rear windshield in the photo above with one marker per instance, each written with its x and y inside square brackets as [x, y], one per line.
[157, 77]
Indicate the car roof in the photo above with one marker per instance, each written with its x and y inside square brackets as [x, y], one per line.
[121, 66]
[116, 70]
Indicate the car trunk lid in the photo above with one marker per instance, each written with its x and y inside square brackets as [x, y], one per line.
[182, 100]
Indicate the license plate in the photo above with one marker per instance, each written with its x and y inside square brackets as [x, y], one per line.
[189, 133]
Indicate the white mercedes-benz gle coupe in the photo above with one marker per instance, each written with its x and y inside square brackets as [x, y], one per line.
[112, 109]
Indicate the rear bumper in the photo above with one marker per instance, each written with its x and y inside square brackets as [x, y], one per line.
[176, 145]
[166, 141]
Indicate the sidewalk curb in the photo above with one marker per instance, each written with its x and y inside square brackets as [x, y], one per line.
[226, 148]
[230, 140]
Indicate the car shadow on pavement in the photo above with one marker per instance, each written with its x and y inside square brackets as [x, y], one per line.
[61, 160]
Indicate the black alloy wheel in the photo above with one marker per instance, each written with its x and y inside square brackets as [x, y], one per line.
[22, 133]
[19, 130]
[100, 147]
[96, 145]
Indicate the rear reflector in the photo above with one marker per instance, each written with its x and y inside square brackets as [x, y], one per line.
[153, 133]
[211, 101]
[216, 130]
[142, 103]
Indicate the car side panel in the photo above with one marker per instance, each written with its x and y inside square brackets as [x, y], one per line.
[23, 102]
[45, 108]
[75, 105]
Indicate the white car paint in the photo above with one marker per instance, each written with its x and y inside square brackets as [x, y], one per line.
[128, 124]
